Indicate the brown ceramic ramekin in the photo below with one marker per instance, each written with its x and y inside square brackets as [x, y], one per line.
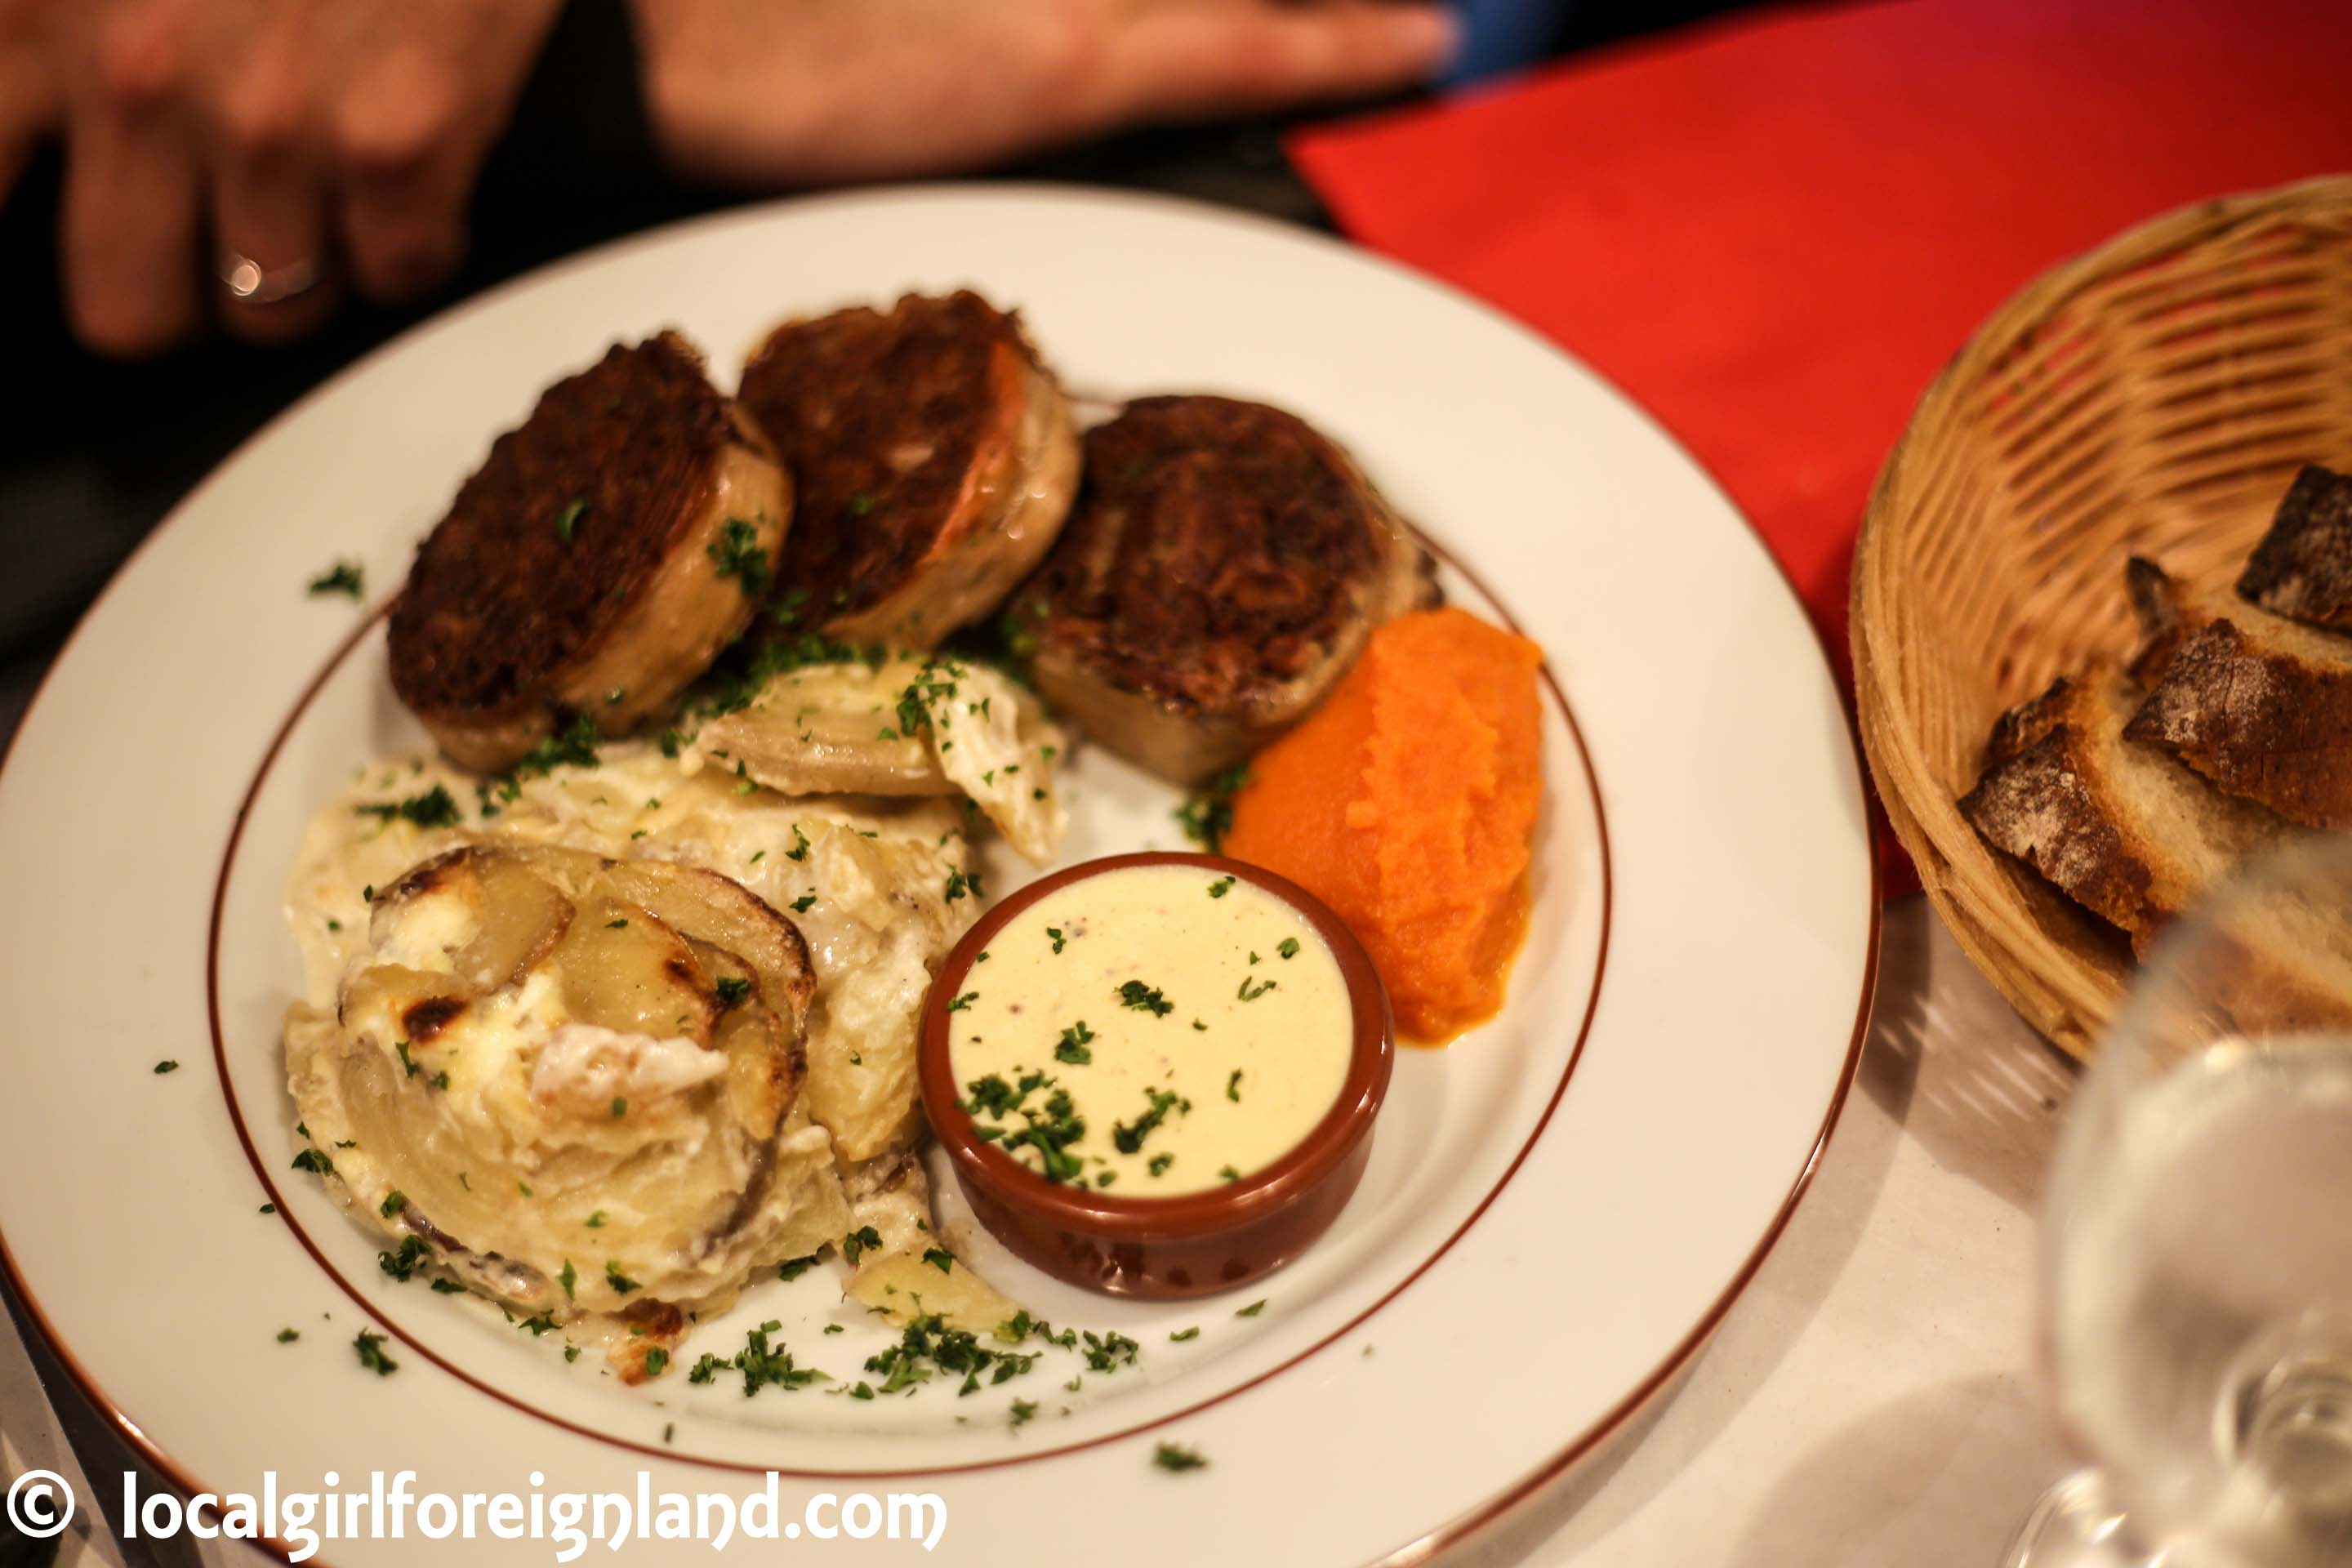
[1194, 1243]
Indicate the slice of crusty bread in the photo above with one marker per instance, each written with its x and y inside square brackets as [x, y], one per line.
[2115, 824]
[2303, 567]
[2257, 703]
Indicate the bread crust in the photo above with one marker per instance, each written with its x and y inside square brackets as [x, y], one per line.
[2303, 567]
[2258, 705]
[2117, 826]
[2039, 799]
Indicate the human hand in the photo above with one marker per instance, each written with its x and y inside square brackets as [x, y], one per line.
[805, 91]
[304, 137]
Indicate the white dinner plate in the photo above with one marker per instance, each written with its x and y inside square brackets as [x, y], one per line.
[1558, 1209]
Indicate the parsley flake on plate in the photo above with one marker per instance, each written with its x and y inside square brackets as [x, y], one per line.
[369, 1349]
[344, 577]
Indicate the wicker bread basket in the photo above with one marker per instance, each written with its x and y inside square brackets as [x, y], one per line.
[2153, 397]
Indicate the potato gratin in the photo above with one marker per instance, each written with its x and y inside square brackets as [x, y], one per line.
[608, 1039]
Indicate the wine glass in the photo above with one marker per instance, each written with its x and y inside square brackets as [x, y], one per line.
[2197, 1245]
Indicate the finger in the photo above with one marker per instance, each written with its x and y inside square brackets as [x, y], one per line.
[414, 128]
[129, 235]
[28, 97]
[1219, 57]
[406, 174]
[269, 228]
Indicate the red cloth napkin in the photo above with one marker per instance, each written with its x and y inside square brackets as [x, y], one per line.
[1772, 231]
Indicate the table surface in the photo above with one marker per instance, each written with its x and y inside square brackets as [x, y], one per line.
[1870, 1400]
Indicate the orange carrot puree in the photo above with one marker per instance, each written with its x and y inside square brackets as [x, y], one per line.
[1406, 802]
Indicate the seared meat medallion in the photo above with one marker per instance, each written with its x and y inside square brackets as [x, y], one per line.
[934, 459]
[596, 562]
[1222, 569]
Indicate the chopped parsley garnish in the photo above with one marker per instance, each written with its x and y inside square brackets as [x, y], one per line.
[939, 1258]
[166, 1065]
[737, 554]
[616, 925]
[927, 1347]
[314, 1162]
[447, 1288]
[574, 745]
[799, 851]
[287, 1336]
[393, 1202]
[1160, 1162]
[369, 1349]
[570, 1352]
[794, 1268]
[401, 1264]
[620, 1107]
[1129, 1138]
[1023, 1410]
[993, 1095]
[440, 1079]
[621, 1283]
[1247, 995]
[801, 905]
[1221, 887]
[539, 1326]
[1289, 948]
[966, 999]
[1208, 816]
[959, 884]
[344, 577]
[1181, 1335]
[569, 1278]
[401, 1047]
[1175, 1457]
[861, 503]
[860, 1242]
[1051, 1132]
[567, 521]
[1145, 999]
[1234, 1087]
[733, 990]
[1073, 1048]
[656, 1362]
[1252, 1310]
[1056, 933]
[1229, 1173]
[761, 1366]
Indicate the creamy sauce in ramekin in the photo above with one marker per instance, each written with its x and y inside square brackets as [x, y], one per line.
[1194, 1024]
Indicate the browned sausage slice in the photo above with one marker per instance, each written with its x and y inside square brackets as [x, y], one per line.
[1221, 571]
[933, 457]
[595, 562]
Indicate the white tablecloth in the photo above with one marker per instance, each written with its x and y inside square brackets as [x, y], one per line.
[1870, 1400]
